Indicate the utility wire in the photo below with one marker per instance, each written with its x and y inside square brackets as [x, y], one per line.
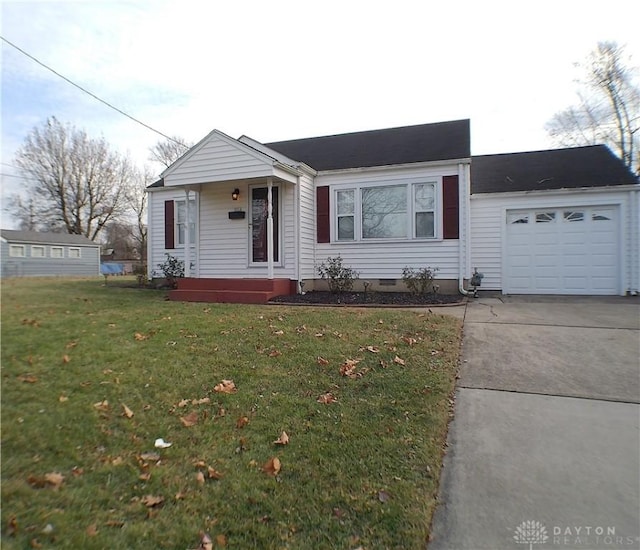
[89, 93]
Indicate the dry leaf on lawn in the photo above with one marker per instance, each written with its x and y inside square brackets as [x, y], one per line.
[29, 378]
[126, 411]
[138, 336]
[322, 361]
[275, 353]
[202, 401]
[54, 479]
[63, 398]
[190, 420]
[373, 349]
[242, 422]
[71, 345]
[279, 332]
[272, 466]
[221, 541]
[200, 478]
[383, 496]
[283, 439]
[146, 476]
[410, 341]
[226, 386]
[213, 473]
[65, 359]
[398, 360]
[12, 526]
[92, 530]
[150, 457]
[183, 403]
[101, 405]
[326, 398]
[152, 500]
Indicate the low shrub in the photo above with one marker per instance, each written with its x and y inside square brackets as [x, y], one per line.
[339, 277]
[419, 281]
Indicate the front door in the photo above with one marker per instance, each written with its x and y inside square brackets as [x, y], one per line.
[259, 224]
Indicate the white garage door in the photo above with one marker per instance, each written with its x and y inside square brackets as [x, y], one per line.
[562, 251]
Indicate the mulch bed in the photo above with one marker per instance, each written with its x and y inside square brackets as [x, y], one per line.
[369, 298]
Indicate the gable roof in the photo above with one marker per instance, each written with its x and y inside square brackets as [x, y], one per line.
[16, 236]
[403, 145]
[591, 166]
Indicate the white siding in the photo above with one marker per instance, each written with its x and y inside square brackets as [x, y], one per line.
[488, 228]
[218, 158]
[307, 227]
[385, 260]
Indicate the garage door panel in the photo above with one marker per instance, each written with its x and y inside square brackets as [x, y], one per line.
[570, 250]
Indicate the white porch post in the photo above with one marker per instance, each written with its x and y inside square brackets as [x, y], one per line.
[187, 237]
[269, 229]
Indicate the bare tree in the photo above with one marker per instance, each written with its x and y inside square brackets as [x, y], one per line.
[609, 107]
[136, 197]
[78, 183]
[167, 151]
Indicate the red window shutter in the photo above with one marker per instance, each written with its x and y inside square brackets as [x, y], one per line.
[450, 208]
[169, 225]
[323, 232]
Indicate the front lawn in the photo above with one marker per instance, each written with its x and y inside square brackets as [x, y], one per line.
[93, 375]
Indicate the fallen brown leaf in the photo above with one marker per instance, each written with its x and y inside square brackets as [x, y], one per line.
[242, 422]
[101, 405]
[275, 353]
[139, 337]
[190, 420]
[150, 457]
[279, 332]
[71, 345]
[92, 530]
[34, 543]
[409, 341]
[183, 403]
[65, 359]
[322, 361]
[373, 349]
[200, 478]
[55, 479]
[213, 473]
[29, 378]
[12, 526]
[146, 476]
[399, 361]
[63, 398]
[383, 496]
[152, 500]
[272, 466]
[221, 540]
[126, 411]
[226, 386]
[282, 440]
[202, 401]
[326, 398]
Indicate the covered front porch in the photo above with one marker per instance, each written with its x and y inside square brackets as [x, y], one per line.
[235, 229]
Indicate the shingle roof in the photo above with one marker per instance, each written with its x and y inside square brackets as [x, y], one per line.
[592, 166]
[16, 236]
[159, 183]
[403, 145]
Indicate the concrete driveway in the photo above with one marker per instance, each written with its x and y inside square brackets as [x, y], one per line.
[544, 449]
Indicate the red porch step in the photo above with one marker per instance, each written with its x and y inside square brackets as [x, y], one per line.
[235, 291]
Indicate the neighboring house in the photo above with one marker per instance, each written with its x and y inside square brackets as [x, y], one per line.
[34, 254]
[252, 220]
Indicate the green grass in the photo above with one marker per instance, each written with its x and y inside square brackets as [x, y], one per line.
[362, 471]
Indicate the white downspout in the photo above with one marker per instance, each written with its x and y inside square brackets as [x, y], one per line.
[296, 216]
[187, 239]
[464, 227]
[269, 229]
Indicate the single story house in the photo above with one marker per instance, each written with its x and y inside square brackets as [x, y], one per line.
[35, 254]
[251, 220]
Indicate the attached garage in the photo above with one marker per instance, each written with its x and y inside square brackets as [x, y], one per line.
[563, 221]
[570, 250]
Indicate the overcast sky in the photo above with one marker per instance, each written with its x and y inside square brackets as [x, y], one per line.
[276, 70]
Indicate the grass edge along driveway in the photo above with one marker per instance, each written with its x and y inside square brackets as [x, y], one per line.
[92, 375]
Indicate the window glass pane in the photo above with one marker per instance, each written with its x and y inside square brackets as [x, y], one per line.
[345, 228]
[74, 253]
[37, 251]
[517, 218]
[16, 250]
[425, 196]
[180, 211]
[545, 217]
[424, 225]
[573, 215]
[384, 212]
[599, 216]
[56, 252]
[345, 202]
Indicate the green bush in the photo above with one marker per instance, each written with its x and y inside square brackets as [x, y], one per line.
[339, 277]
[172, 268]
[419, 281]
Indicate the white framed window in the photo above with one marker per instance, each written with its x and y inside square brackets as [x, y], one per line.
[380, 212]
[345, 214]
[17, 250]
[573, 216]
[545, 217]
[517, 218]
[37, 251]
[181, 222]
[57, 252]
[75, 252]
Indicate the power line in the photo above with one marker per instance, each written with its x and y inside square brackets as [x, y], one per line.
[89, 93]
